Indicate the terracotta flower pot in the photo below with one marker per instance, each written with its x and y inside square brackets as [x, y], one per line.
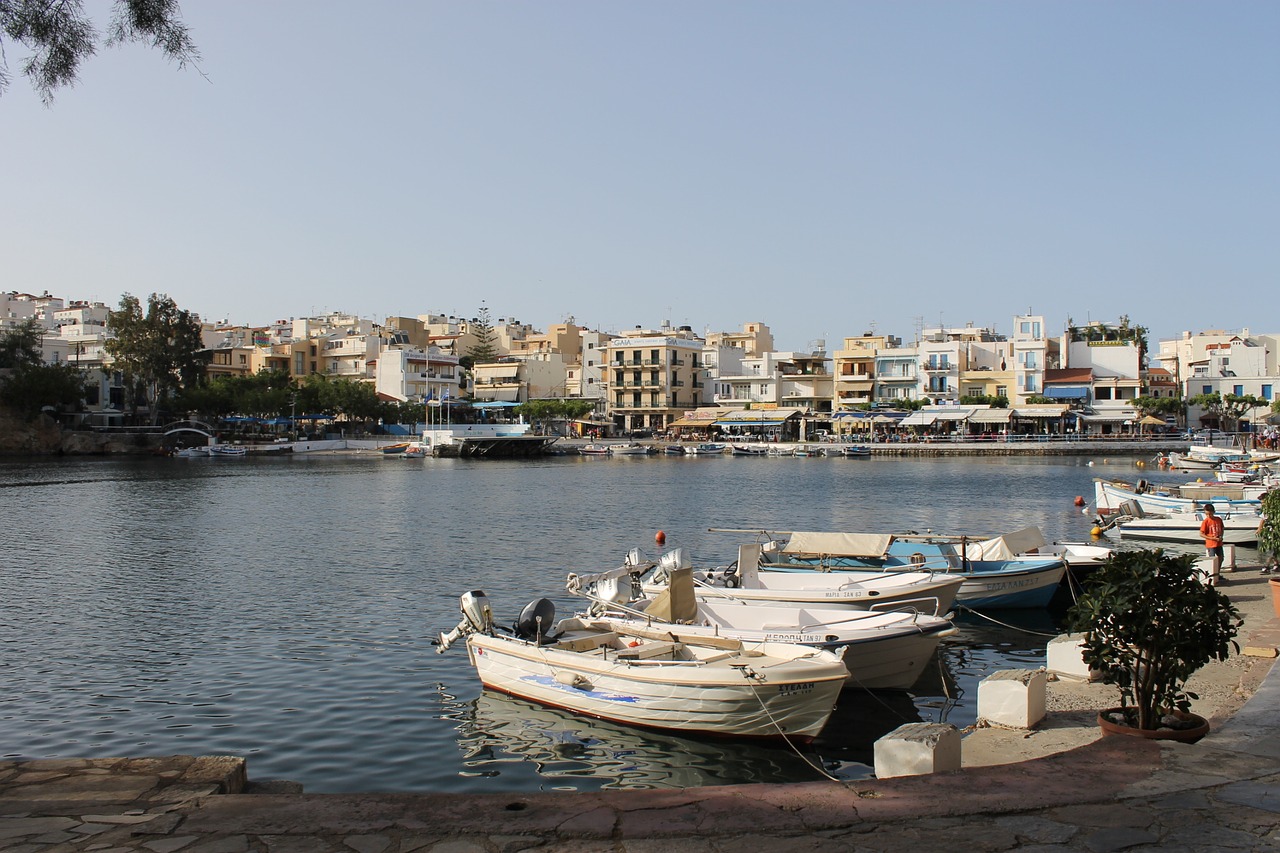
[1274, 583]
[1188, 735]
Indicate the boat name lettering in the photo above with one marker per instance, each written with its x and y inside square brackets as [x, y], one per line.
[785, 689]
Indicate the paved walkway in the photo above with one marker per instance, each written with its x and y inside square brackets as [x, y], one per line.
[1115, 793]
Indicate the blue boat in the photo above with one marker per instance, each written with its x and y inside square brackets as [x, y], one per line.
[1001, 572]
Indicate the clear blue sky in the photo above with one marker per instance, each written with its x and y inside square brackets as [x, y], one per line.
[824, 167]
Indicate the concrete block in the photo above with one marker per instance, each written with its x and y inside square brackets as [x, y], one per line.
[1013, 697]
[1064, 657]
[917, 749]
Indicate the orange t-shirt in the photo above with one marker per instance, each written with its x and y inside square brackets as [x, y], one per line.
[1211, 530]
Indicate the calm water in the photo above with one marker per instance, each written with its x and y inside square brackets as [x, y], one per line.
[283, 608]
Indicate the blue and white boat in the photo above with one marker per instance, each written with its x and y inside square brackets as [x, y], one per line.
[1114, 496]
[1000, 572]
[708, 449]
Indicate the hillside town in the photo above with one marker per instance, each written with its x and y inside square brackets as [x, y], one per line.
[1090, 380]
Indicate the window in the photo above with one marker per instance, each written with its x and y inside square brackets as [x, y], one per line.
[1238, 390]
[1102, 393]
[1206, 389]
[1002, 391]
[1266, 392]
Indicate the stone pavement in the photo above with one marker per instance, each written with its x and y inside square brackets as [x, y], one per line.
[1114, 793]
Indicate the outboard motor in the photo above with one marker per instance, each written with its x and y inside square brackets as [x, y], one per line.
[477, 618]
[535, 621]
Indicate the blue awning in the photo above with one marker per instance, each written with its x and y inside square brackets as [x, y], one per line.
[1066, 392]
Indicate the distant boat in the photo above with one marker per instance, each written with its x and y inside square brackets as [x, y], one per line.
[750, 450]
[225, 450]
[594, 450]
[630, 449]
[415, 451]
[673, 450]
[855, 451]
[707, 449]
[394, 449]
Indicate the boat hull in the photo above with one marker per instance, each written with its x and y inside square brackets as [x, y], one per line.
[1241, 532]
[889, 591]
[794, 699]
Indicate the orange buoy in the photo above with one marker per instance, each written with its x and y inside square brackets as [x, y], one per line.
[660, 538]
[1079, 501]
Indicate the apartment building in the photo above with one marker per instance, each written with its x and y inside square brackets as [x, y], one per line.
[653, 377]
[854, 369]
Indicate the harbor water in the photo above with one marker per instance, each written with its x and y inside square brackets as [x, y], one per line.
[283, 608]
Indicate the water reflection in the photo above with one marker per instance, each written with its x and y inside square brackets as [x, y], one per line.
[502, 736]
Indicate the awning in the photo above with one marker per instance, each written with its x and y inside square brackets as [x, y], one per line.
[493, 404]
[991, 416]
[1066, 392]
[501, 371]
[953, 414]
[1040, 411]
[918, 419]
[839, 544]
[1109, 417]
[749, 422]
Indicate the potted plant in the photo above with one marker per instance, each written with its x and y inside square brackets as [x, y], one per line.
[1269, 542]
[1149, 622]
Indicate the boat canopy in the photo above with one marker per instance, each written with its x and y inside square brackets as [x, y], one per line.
[1005, 547]
[839, 544]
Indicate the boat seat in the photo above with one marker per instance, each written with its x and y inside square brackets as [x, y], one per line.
[589, 642]
[648, 651]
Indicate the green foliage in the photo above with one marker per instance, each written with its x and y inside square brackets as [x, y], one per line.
[1269, 531]
[28, 389]
[1149, 623]
[339, 397]
[61, 37]
[1228, 407]
[995, 402]
[21, 346]
[159, 352]
[268, 394]
[485, 349]
[537, 411]
[1159, 406]
[1039, 400]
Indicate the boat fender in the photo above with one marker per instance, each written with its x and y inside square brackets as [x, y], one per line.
[917, 559]
[573, 679]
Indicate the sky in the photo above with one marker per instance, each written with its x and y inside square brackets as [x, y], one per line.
[827, 168]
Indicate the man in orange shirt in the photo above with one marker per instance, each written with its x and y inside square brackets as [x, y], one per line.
[1211, 530]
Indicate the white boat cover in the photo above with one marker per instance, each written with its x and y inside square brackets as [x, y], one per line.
[839, 544]
[1007, 546]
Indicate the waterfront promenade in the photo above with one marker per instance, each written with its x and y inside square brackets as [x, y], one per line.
[1067, 790]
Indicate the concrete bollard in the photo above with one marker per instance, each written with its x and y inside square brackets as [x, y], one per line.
[1228, 558]
[1064, 657]
[917, 749]
[1013, 697]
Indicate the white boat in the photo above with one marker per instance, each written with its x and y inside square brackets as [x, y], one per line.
[806, 450]
[1132, 522]
[750, 449]
[594, 450]
[654, 678]
[706, 449]
[882, 650]
[414, 451]
[629, 449]
[1111, 496]
[1206, 461]
[192, 452]
[225, 451]
[855, 451]
[997, 572]
[923, 591]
